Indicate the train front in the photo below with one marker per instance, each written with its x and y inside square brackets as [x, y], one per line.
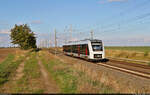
[97, 50]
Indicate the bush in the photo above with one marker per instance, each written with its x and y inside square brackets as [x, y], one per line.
[23, 37]
[146, 54]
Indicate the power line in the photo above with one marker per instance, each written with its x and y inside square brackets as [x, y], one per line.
[127, 11]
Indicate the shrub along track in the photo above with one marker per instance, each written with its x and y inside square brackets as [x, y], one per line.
[132, 68]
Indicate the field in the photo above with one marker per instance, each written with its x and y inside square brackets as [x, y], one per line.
[133, 53]
[130, 48]
[5, 51]
[42, 72]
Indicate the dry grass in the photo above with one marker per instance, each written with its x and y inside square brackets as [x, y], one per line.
[145, 56]
[15, 51]
[31, 82]
[98, 82]
[74, 78]
[5, 51]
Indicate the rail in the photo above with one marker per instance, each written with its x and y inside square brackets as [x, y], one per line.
[126, 59]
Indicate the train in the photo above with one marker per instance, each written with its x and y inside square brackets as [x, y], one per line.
[89, 49]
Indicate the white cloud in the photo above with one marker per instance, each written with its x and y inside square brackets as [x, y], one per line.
[4, 23]
[147, 40]
[1, 38]
[128, 41]
[30, 22]
[4, 40]
[116, 0]
[5, 31]
[36, 22]
[20, 23]
[110, 1]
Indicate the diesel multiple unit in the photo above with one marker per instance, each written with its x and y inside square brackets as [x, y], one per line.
[87, 49]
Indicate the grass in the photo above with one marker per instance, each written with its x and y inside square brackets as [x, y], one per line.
[31, 68]
[130, 48]
[7, 67]
[146, 53]
[94, 86]
[62, 75]
[134, 53]
[148, 63]
[70, 80]
[30, 82]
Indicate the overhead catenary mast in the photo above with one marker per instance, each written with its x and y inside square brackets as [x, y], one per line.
[71, 32]
[66, 34]
[92, 34]
[55, 41]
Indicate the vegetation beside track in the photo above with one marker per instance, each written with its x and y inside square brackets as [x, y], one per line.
[130, 48]
[31, 81]
[134, 53]
[69, 79]
[8, 66]
[61, 73]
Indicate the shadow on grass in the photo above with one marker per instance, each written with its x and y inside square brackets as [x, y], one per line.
[36, 50]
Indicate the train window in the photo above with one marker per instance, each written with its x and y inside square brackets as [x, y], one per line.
[97, 46]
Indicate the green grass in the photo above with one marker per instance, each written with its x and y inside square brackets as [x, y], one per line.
[63, 75]
[30, 82]
[130, 48]
[69, 79]
[148, 63]
[31, 68]
[7, 67]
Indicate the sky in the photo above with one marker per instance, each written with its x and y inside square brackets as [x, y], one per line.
[116, 22]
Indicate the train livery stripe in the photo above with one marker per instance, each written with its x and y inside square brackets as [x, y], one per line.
[86, 51]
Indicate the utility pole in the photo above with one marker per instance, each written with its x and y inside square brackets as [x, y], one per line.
[70, 32]
[55, 42]
[46, 43]
[66, 34]
[50, 40]
[91, 34]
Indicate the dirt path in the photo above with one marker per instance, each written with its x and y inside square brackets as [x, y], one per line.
[50, 84]
[19, 71]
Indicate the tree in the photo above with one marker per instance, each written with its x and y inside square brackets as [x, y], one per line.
[23, 37]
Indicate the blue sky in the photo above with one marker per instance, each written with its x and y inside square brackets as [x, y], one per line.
[116, 22]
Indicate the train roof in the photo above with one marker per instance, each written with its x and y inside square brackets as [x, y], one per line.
[85, 41]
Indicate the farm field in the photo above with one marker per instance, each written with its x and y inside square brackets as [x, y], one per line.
[133, 53]
[129, 48]
[5, 51]
[43, 72]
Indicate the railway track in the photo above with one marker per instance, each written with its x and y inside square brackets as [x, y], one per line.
[131, 68]
[127, 70]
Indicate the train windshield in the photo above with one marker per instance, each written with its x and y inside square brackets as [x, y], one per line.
[97, 46]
